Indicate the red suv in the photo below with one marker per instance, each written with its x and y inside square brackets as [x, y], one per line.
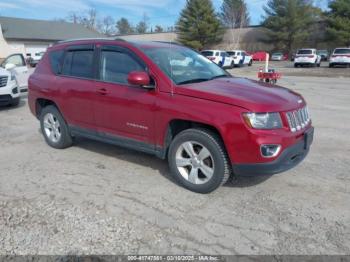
[170, 101]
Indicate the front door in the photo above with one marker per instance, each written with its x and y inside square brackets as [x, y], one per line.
[20, 71]
[121, 109]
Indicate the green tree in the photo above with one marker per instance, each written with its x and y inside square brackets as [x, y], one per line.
[338, 28]
[198, 25]
[124, 27]
[158, 29]
[234, 13]
[288, 22]
[143, 25]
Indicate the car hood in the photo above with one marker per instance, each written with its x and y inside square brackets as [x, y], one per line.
[4, 72]
[249, 94]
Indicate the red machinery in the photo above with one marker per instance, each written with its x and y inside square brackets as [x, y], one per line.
[268, 75]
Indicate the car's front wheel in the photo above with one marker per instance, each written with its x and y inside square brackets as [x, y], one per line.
[54, 128]
[250, 63]
[198, 160]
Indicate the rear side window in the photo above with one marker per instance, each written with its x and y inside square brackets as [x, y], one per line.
[79, 63]
[207, 53]
[116, 66]
[55, 61]
[305, 52]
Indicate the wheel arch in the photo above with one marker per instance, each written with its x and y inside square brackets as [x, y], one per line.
[176, 126]
[41, 103]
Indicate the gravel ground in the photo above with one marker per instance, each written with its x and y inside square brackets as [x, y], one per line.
[95, 198]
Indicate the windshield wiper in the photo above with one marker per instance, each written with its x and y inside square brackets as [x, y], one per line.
[196, 80]
[219, 76]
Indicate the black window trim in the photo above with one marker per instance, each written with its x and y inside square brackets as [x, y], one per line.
[120, 49]
[88, 47]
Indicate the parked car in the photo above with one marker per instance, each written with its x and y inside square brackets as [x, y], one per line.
[208, 124]
[279, 56]
[260, 56]
[340, 57]
[219, 57]
[17, 64]
[34, 60]
[307, 56]
[324, 54]
[241, 57]
[9, 90]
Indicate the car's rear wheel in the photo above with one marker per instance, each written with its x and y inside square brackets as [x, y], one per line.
[198, 160]
[250, 63]
[54, 128]
[232, 65]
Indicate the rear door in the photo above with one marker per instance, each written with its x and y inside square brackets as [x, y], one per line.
[77, 86]
[122, 109]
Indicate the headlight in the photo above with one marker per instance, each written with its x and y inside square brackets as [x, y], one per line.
[263, 120]
[13, 76]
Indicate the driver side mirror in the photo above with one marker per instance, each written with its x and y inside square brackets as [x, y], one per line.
[10, 66]
[140, 79]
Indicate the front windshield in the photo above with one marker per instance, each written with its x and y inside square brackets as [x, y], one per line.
[183, 65]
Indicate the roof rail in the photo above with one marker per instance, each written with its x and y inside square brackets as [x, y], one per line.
[87, 39]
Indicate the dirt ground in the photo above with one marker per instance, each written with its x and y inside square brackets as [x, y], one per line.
[95, 198]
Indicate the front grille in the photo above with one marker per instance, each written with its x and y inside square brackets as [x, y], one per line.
[3, 81]
[298, 119]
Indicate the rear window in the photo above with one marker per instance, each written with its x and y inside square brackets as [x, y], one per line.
[342, 51]
[208, 53]
[55, 60]
[79, 64]
[304, 52]
[231, 53]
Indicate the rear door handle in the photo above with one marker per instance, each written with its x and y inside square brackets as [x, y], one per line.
[102, 91]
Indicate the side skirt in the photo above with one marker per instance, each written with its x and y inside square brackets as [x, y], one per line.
[119, 141]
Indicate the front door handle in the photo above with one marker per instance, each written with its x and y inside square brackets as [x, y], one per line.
[102, 91]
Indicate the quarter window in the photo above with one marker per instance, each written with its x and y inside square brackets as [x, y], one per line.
[115, 66]
[79, 64]
[55, 60]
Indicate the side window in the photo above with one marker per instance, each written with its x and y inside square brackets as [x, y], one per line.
[79, 63]
[55, 60]
[17, 60]
[217, 54]
[115, 66]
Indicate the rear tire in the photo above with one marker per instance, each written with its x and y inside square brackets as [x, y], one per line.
[331, 65]
[250, 63]
[55, 128]
[194, 150]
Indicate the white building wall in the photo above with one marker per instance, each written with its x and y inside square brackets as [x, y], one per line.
[7, 49]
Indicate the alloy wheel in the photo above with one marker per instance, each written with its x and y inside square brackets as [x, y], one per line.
[195, 162]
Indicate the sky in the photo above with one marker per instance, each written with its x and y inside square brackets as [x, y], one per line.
[162, 12]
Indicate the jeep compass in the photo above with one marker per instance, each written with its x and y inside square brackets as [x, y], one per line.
[170, 101]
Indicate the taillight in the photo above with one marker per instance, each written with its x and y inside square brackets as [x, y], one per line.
[311, 56]
[235, 57]
[211, 58]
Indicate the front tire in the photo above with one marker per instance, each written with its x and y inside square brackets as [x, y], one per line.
[198, 160]
[54, 128]
[250, 63]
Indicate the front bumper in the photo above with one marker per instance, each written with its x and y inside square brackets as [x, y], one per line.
[288, 159]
